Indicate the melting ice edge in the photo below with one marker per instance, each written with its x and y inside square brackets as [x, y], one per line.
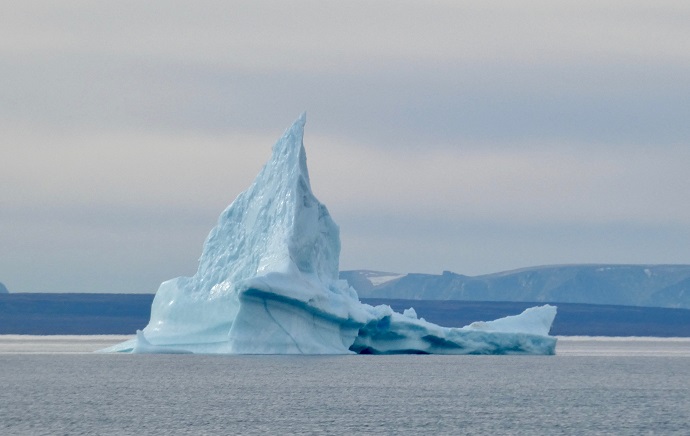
[268, 283]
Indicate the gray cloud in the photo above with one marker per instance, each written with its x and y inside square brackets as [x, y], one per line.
[477, 246]
[470, 137]
[398, 106]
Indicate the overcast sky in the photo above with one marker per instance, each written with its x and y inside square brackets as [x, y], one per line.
[473, 137]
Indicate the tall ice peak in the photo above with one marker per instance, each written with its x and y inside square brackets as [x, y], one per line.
[275, 225]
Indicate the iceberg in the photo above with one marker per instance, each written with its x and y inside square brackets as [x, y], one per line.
[267, 283]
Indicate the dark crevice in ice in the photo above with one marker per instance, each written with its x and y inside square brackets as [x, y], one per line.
[281, 326]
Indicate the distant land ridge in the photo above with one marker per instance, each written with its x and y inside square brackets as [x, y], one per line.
[103, 314]
[629, 285]
[3, 289]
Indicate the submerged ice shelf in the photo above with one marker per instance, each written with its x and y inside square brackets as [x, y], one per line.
[268, 283]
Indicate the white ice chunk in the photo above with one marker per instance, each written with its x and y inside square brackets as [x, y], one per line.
[535, 321]
[410, 313]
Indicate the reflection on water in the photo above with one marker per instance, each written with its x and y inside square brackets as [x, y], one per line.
[56, 385]
[622, 346]
[567, 345]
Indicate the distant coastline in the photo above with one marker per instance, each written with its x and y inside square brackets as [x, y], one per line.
[101, 314]
[602, 284]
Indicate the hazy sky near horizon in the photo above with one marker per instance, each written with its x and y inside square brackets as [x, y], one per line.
[442, 135]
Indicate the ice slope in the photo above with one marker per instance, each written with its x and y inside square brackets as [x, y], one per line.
[268, 283]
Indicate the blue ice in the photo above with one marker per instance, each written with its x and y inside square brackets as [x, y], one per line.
[267, 283]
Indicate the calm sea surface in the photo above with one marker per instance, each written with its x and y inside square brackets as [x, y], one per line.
[54, 385]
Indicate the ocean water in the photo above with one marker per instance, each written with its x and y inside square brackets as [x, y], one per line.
[55, 385]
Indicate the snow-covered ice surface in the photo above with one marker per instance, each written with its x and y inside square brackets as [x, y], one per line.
[268, 283]
[377, 279]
